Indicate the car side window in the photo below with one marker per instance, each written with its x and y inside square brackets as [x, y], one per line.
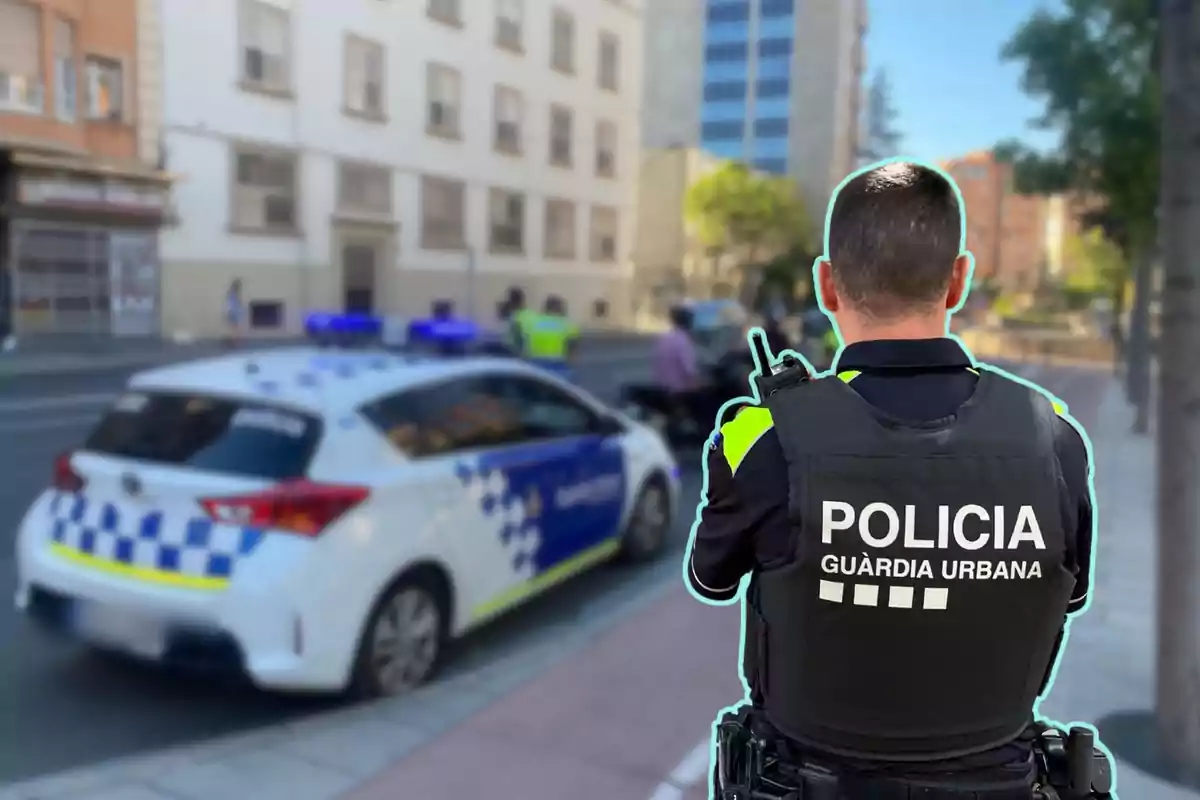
[544, 410]
[444, 418]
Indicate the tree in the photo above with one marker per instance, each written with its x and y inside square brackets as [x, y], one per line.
[733, 210]
[1092, 65]
[882, 139]
[1178, 690]
[1096, 266]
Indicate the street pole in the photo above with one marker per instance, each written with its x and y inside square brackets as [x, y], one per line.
[1137, 373]
[1177, 700]
[472, 273]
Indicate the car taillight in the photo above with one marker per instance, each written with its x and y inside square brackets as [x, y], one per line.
[66, 479]
[301, 507]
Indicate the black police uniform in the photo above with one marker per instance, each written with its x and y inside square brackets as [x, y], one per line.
[908, 670]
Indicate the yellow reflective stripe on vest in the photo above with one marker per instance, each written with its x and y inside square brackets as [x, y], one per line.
[740, 433]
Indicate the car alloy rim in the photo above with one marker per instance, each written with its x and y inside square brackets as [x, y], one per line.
[404, 644]
[651, 516]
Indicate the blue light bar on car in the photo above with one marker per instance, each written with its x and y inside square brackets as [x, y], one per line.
[443, 330]
[320, 323]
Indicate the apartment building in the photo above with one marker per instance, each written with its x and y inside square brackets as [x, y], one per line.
[376, 155]
[81, 195]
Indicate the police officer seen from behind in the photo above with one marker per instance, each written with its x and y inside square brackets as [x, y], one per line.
[917, 527]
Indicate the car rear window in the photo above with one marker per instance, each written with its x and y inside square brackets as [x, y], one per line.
[234, 437]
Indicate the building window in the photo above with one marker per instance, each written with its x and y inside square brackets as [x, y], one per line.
[723, 131]
[773, 87]
[770, 128]
[776, 8]
[560, 136]
[729, 12]
[364, 189]
[562, 42]
[366, 65]
[444, 87]
[66, 95]
[21, 87]
[509, 23]
[560, 229]
[105, 87]
[510, 113]
[506, 212]
[768, 48]
[606, 149]
[447, 11]
[604, 234]
[725, 90]
[773, 166]
[443, 214]
[265, 47]
[264, 191]
[732, 51]
[610, 61]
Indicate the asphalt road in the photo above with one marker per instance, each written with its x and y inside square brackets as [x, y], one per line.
[62, 707]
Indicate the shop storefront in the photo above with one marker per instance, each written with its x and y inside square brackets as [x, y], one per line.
[82, 249]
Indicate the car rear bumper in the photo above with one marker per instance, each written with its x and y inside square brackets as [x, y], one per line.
[273, 622]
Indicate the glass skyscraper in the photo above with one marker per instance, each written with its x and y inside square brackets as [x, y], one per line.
[746, 107]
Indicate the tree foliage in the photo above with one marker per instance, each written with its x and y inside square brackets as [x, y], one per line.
[735, 210]
[1097, 266]
[1092, 64]
[882, 137]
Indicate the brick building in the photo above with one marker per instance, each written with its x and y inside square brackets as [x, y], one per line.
[81, 194]
[1017, 239]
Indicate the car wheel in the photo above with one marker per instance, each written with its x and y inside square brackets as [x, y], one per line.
[403, 641]
[646, 532]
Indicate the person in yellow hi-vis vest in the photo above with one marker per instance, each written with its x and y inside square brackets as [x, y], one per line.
[548, 339]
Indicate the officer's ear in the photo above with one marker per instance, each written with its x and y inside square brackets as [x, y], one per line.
[960, 275]
[826, 288]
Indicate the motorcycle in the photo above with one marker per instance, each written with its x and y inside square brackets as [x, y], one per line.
[691, 422]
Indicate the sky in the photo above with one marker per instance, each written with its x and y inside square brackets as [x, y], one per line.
[950, 89]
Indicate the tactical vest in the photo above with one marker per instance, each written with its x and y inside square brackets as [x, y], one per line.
[929, 581]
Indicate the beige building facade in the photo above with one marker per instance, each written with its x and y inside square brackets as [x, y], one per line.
[670, 264]
[376, 157]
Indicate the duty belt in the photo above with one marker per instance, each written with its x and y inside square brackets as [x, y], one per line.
[749, 767]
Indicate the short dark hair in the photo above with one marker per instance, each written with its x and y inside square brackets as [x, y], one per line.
[894, 234]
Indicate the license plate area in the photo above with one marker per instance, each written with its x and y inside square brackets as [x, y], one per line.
[120, 628]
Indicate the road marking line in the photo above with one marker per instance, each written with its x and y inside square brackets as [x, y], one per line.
[687, 773]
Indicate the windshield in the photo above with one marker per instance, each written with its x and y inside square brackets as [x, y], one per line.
[234, 437]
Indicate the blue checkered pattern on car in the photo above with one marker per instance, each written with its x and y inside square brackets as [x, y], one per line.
[172, 544]
[513, 518]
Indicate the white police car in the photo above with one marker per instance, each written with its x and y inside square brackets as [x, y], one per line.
[329, 520]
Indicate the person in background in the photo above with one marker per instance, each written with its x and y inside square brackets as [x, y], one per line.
[676, 365]
[518, 318]
[550, 339]
[234, 313]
